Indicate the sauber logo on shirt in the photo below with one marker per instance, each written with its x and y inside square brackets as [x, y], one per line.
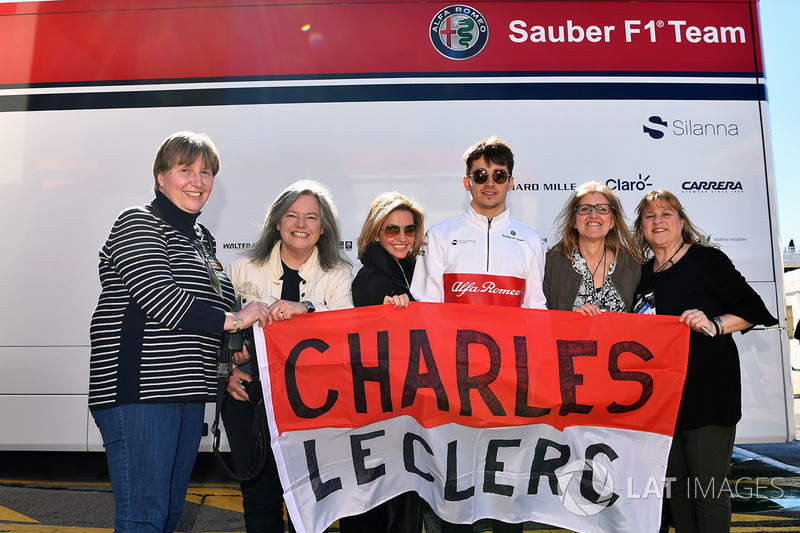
[483, 289]
[513, 236]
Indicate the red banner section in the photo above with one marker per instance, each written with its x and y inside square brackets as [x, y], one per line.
[476, 366]
[77, 42]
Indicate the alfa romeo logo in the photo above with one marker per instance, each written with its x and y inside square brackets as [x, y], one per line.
[459, 32]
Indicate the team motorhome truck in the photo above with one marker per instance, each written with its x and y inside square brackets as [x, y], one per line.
[366, 97]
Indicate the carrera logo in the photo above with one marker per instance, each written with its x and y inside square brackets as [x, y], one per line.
[459, 32]
[489, 287]
[712, 186]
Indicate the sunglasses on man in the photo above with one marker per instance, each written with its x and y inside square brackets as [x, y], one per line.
[481, 175]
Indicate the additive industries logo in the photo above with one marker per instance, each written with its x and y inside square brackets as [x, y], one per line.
[459, 32]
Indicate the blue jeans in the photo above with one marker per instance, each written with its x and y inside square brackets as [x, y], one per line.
[150, 449]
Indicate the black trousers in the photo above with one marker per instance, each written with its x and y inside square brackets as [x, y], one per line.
[262, 497]
[401, 514]
[700, 462]
[497, 527]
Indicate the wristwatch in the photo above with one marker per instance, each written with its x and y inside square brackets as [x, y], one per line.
[238, 322]
[309, 306]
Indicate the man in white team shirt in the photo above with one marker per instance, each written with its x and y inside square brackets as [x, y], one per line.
[483, 256]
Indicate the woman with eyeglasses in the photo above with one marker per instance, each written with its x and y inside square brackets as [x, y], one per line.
[594, 267]
[163, 306]
[388, 247]
[296, 268]
[688, 277]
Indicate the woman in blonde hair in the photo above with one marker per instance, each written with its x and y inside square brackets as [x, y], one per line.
[387, 247]
[595, 266]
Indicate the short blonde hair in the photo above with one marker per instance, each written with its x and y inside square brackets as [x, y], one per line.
[384, 205]
[182, 148]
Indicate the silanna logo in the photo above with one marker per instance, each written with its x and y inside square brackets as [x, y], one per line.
[652, 132]
[459, 32]
[456, 242]
[656, 127]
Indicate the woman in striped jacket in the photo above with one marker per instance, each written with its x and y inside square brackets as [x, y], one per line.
[155, 332]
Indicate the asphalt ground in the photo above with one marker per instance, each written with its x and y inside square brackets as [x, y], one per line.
[47, 492]
[59, 492]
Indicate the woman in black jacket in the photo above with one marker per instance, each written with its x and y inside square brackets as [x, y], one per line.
[387, 247]
[688, 277]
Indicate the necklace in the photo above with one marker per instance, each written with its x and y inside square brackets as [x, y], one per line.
[408, 285]
[603, 260]
[668, 261]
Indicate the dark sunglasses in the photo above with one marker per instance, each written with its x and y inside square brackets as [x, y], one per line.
[499, 175]
[393, 230]
[213, 266]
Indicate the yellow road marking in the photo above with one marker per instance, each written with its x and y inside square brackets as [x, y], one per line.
[226, 486]
[756, 518]
[762, 529]
[66, 483]
[215, 492]
[8, 515]
[232, 502]
[52, 529]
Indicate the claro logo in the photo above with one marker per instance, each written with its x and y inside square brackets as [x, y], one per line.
[640, 184]
[656, 127]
